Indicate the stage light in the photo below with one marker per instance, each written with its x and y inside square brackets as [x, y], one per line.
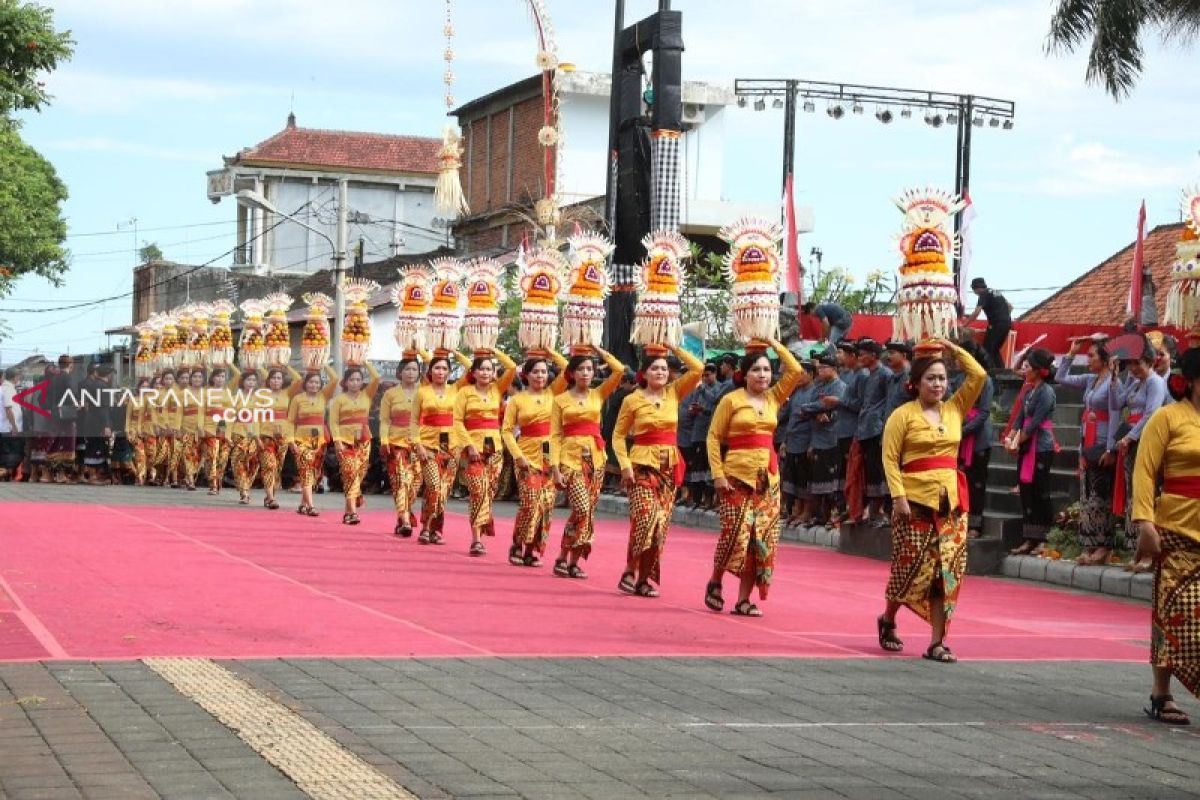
[977, 122]
[777, 104]
[810, 106]
[741, 102]
[933, 119]
[857, 107]
[760, 104]
[993, 123]
[1008, 123]
[952, 118]
[836, 111]
[884, 115]
[906, 113]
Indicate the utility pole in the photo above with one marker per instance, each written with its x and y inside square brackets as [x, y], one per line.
[339, 274]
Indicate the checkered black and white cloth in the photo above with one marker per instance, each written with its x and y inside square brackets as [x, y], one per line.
[664, 180]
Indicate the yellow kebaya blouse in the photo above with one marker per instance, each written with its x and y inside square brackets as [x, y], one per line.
[133, 418]
[348, 416]
[1170, 445]
[735, 417]
[306, 414]
[641, 414]
[144, 411]
[396, 415]
[529, 409]
[217, 401]
[471, 406]
[281, 401]
[908, 436]
[168, 412]
[567, 451]
[429, 405]
[191, 412]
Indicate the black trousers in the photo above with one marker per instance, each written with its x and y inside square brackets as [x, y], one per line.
[977, 475]
[993, 339]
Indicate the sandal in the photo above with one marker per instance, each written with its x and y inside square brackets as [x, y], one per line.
[887, 636]
[477, 549]
[244, 500]
[312, 512]
[436, 538]
[514, 556]
[1159, 712]
[404, 530]
[561, 568]
[302, 509]
[575, 571]
[644, 589]
[745, 608]
[350, 519]
[712, 597]
[423, 537]
[940, 653]
[626, 584]
[532, 560]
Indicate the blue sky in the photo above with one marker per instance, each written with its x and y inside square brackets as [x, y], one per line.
[159, 90]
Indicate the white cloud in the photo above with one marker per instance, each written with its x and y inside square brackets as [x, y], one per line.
[92, 92]
[128, 148]
[1090, 168]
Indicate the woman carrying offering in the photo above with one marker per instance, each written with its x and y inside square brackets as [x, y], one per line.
[192, 412]
[1168, 526]
[578, 451]
[930, 498]
[217, 401]
[396, 442]
[529, 414]
[275, 433]
[652, 469]
[243, 435]
[310, 434]
[745, 470]
[133, 428]
[170, 418]
[348, 417]
[477, 432]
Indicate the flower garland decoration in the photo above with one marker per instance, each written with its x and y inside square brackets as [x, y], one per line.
[445, 308]
[656, 322]
[481, 327]
[412, 296]
[277, 338]
[356, 327]
[588, 285]
[542, 276]
[753, 267]
[927, 297]
[314, 340]
[251, 353]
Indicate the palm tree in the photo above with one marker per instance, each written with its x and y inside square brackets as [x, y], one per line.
[1115, 28]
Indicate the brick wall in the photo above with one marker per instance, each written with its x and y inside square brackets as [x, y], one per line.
[489, 179]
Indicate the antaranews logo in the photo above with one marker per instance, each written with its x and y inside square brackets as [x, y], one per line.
[38, 389]
[248, 407]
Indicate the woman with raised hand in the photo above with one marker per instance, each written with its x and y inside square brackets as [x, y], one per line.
[310, 434]
[1168, 527]
[652, 470]
[930, 497]
[192, 410]
[170, 419]
[526, 436]
[275, 433]
[745, 468]
[578, 453]
[1032, 441]
[396, 442]
[243, 435]
[217, 401]
[477, 430]
[134, 404]
[434, 442]
[349, 414]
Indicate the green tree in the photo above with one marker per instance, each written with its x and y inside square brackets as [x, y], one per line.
[32, 228]
[704, 297]
[29, 48]
[148, 252]
[1115, 29]
[876, 294]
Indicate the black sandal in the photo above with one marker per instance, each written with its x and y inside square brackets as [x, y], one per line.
[745, 608]
[350, 519]
[271, 504]
[644, 589]
[887, 636]
[575, 571]
[626, 583]
[561, 568]
[477, 549]
[404, 531]
[514, 556]
[940, 653]
[712, 597]
[436, 538]
[531, 560]
[423, 537]
[1167, 716]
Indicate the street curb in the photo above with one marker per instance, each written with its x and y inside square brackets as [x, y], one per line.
[1113, 581]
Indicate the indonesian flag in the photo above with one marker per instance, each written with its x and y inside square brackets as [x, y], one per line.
[1139, 256]
[968, 216]
[791, 252]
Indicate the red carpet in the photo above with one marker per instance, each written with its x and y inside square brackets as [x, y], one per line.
[106, 582]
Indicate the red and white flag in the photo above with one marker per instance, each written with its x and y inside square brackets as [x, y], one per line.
[968, 216]
[1139, 260]
[791, 247]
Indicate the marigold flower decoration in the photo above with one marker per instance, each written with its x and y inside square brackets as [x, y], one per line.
[656, 316]
[220, 339]
[543, 274]
[587, 286]
[481, 327]
[753, 267]
[198, 343]
[412, 295]
[445, 307]
[314, 340]
[927, 297]
[276, 335]
[356, 327]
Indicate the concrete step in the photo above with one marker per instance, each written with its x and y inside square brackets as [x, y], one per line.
[984, 556]
[1061, 480]
[1001, 500]
[1002, 527]
[1065, 459]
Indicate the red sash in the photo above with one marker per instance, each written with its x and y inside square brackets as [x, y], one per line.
[1183, 485]
[191, 411]
[1090, 418]
[402, 419]
[944, 462]
[668, 438]
[535, 430]
[591, 429]
[314, 421]
[441, 420]
[481, 424]
[756, 441]
[1119, 499]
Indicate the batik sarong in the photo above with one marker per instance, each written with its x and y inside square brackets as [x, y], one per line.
[243, 455]
[174, 475]
[189, 453]
[437, 477]
[929, 548]
[651, 501]
[1096, 520]
[216, 454]
[310, 461]
[404, 477]
[271, 451]
[1175, 625]
[482, 479]
[353, 460]
[536, 492]
[583, 492]
[138, 443]
[749, 519]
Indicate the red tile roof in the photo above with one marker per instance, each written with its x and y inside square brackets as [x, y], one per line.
[1100, 295]
[348, 150]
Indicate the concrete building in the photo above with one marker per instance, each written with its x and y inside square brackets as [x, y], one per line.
[390, 186]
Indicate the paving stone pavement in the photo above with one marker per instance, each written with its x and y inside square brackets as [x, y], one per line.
[614, 728]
